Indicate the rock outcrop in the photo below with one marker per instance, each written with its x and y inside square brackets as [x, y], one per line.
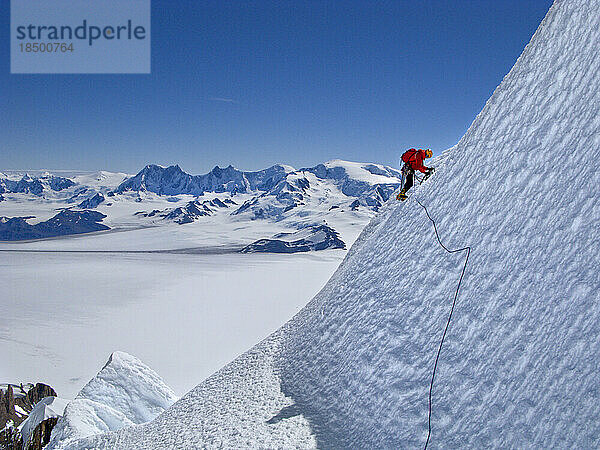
[16, 403]
[319, 237]
[92, 202]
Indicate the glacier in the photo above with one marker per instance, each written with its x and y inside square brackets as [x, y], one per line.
[519, 365]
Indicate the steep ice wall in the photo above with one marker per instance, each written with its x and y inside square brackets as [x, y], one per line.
[519, 366]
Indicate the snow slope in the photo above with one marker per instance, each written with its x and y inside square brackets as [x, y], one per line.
[129, 386]
[519, 365]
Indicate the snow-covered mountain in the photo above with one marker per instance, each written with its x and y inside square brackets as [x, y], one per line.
[318, 237]
[277, 189]
[345, 195]
[34, 185]
[518, 368]
[172, 180]
[191, 211]
[367, 185]
[66, 222]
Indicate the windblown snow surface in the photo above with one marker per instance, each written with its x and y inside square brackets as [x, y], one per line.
[125, 392]
[519, 368]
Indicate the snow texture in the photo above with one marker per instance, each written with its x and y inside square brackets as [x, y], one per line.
[519, 365]
[129, 386]
[125, 392]
[83, 417]
[208, 305]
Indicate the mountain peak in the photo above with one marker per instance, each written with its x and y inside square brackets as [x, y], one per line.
[125, 392]
[122, 375]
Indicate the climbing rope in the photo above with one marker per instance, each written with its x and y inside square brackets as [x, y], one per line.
[437, 357]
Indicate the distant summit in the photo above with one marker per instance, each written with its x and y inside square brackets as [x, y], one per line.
[34, 185]
[172, 180]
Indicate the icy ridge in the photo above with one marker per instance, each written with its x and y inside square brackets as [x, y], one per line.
[125, 392]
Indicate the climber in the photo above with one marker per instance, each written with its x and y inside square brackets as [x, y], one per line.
[413, 160]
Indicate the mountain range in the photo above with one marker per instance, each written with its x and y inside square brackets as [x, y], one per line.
[339, 195]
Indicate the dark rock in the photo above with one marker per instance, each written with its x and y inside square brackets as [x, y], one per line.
[58, 183]
[76, 195]
[11, 439]
[25, 397]
[28, 185]
[189, 213]
[41, 434]
[10, 401]
[38, 392]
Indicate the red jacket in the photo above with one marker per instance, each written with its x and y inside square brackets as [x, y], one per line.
[414, 158]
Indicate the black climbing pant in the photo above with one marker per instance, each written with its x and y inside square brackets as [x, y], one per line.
[410, 179]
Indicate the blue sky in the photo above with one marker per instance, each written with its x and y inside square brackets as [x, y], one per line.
[257, 83]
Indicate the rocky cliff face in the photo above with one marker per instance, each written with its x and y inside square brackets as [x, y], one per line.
[41, 434]
[38, 392]
[16, 402]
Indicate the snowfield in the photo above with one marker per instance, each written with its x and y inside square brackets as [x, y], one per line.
[519, 365]
[165, 270]
[184, 315]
